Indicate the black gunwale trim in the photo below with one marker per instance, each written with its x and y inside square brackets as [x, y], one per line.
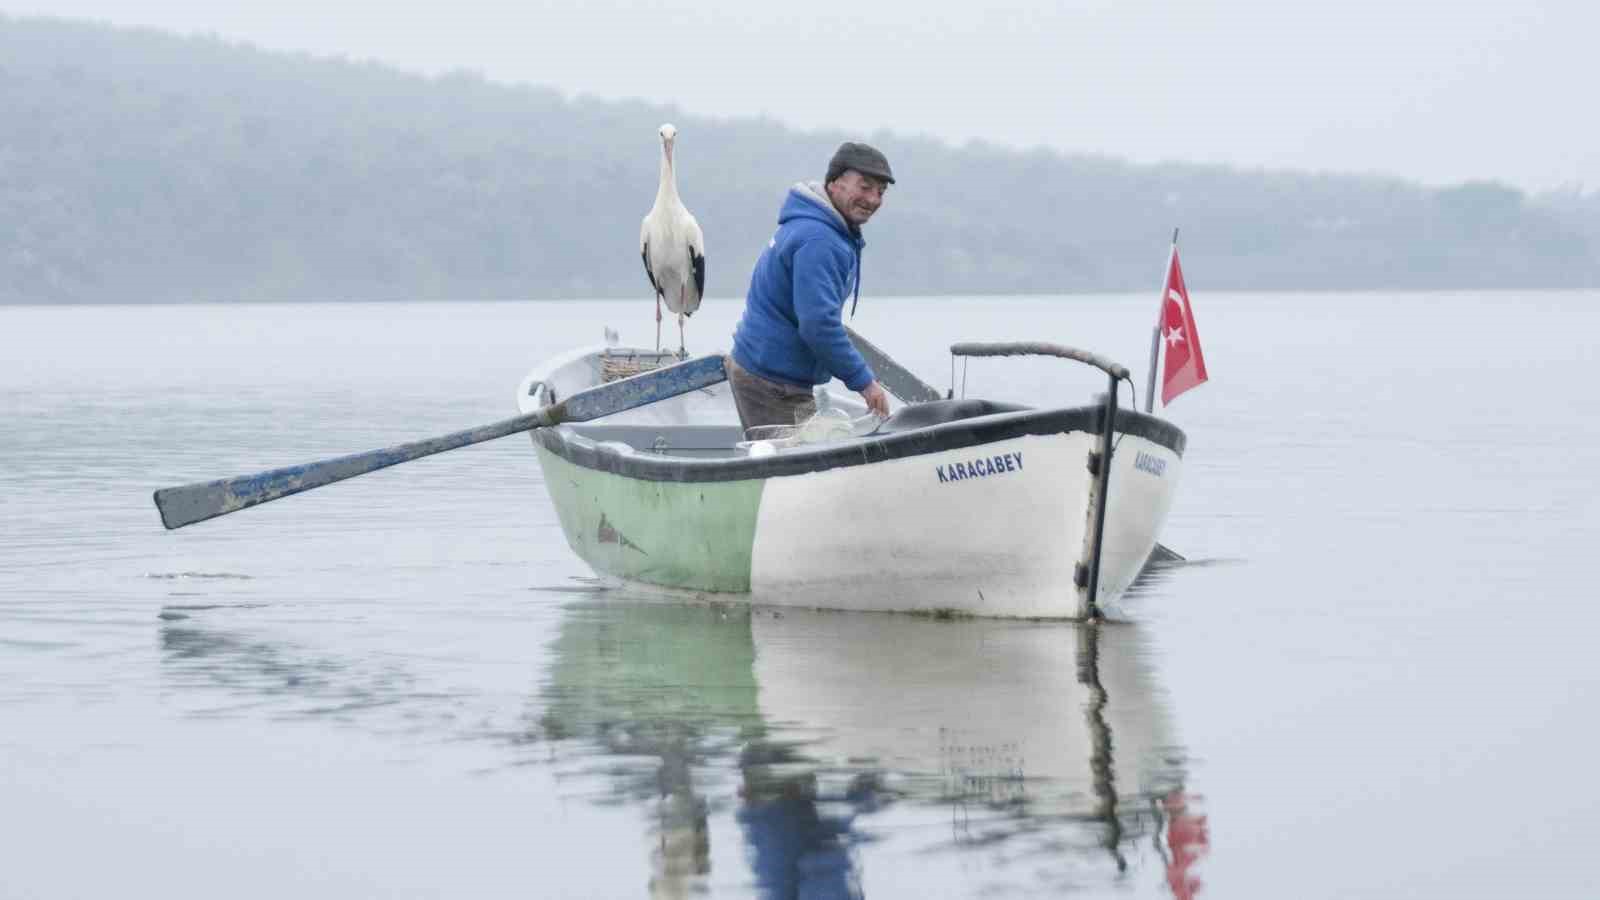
[936, 438]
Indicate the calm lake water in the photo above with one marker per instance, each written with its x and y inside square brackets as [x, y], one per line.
[1375, 676]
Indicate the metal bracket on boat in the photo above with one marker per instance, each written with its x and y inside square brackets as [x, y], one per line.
[1117, 371]
[1102, 472]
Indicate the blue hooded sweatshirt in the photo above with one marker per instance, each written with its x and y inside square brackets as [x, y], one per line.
[791, 330]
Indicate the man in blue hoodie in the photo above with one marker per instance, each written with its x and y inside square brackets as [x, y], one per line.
[791, 336]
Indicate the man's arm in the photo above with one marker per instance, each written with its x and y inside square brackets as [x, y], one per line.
[821, 279]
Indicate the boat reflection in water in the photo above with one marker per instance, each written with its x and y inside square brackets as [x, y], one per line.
[854, 750]
[669, 690]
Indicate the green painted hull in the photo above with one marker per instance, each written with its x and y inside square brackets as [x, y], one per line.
[662, 669]
[694, 535]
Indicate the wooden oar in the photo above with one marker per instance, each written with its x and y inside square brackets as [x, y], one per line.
[895, 378]
[901, 382]
[197, 502]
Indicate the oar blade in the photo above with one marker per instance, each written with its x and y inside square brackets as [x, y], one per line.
[191, 503]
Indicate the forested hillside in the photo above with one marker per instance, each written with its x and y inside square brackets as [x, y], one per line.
[139, 166]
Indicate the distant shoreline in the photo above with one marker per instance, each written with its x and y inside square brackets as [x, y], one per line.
[722, 301]
[242, 173]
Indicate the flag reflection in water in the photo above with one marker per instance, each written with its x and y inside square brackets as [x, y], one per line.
[1187, 841]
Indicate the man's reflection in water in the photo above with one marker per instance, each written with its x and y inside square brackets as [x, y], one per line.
[797, 850]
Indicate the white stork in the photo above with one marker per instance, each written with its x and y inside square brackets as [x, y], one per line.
[672, 246]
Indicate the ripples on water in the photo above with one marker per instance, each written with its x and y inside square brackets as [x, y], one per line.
[406, 685]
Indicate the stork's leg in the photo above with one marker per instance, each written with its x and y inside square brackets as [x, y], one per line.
[682, 353]
[658, 323]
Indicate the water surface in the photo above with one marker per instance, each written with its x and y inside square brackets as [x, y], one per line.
[1373, 677]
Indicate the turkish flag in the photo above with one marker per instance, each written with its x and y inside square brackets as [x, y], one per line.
[1185, 367]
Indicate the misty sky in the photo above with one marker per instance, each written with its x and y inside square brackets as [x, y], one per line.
[1433, 91]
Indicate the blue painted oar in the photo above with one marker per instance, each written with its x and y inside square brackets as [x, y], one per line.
[203, 500]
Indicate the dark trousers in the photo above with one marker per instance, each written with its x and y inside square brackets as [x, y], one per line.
[763, 402]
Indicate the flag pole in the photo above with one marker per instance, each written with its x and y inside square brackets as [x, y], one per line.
[1155, 333]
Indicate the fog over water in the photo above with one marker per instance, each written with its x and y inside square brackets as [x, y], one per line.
[1429, 91]
[1374, 674]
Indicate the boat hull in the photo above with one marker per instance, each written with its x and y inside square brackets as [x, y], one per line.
[692, 535]
[997, 528]
[952, 507]
[993, 530]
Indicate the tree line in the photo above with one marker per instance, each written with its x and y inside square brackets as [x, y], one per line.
[140, 166]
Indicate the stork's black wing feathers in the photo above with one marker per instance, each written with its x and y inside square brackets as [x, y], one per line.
[645, 255]
[698, 260]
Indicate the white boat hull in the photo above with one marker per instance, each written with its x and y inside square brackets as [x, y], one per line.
[989, 511]
[905, 536]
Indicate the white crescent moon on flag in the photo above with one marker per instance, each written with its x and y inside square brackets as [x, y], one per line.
[1174, 336]
[1175, 297]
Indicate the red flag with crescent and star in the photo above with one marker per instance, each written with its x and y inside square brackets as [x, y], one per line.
[1185, 366]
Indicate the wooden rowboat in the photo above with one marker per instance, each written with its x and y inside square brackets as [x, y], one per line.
[949, 507]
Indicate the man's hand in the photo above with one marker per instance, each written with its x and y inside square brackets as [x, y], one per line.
[877, 400]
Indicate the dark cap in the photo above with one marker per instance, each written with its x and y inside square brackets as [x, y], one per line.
[864, 159]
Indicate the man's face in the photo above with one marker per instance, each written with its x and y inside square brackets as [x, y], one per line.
[857, 196]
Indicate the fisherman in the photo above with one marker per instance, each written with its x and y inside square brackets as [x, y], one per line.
[791, 336]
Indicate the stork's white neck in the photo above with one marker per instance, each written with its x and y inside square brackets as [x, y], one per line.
[668, 191]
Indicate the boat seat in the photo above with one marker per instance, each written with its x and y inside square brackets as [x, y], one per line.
[938, 412]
